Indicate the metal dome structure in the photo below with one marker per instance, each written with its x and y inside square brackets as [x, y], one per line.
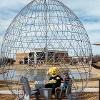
[46, 33]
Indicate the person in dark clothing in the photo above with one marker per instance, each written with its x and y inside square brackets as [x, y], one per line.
[54, 81]
[67, 82]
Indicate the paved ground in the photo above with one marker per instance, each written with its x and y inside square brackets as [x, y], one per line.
[88, 94]
[82, 96]
[85, 90]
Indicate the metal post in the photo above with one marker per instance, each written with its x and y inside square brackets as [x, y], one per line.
[28, 59]
[35, 57]
[99, 89]
[45, 29]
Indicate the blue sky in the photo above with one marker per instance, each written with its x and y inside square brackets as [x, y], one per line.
[88, 12]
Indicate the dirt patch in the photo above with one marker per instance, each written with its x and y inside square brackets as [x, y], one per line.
[82, 96]
[88, 96]
[7, 97]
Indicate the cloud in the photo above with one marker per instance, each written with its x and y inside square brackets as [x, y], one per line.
[90, 7]
[8, 10]
[95, 49]
[4, 25]
[92, 26]
[12, 3]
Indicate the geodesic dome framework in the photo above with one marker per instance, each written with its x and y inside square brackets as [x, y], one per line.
[46, 33]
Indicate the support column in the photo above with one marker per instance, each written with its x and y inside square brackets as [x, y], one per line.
[28, 59]
[35, 57]
[54, 57]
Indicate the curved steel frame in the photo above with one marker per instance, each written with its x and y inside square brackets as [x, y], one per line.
[48, 26]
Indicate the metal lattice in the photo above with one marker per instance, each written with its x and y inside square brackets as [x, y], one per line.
[46, 33]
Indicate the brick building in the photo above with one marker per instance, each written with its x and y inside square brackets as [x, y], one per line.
[39, 56]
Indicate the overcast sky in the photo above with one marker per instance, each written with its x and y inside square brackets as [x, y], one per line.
[88, 12]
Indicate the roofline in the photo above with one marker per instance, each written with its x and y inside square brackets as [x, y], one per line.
[97, 44]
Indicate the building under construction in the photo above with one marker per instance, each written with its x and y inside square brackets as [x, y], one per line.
[37, 56]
